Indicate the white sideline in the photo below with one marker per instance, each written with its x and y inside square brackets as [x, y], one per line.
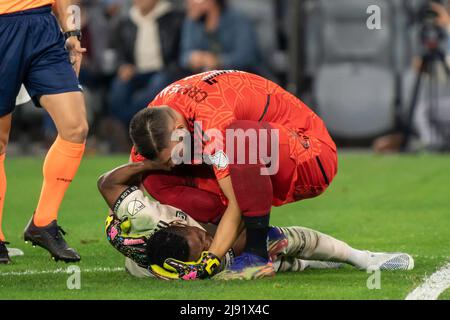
[433, 286]
[56, 271]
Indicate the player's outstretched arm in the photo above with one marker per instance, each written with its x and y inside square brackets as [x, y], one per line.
[230, 225]
[113, 183]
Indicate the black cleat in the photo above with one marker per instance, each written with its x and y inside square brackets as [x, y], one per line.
[4, 256]
[51, 238]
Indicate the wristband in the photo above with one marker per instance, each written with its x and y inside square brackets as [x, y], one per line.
[73, 33]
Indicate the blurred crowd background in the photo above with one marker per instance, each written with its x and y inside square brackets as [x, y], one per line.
[357, 73]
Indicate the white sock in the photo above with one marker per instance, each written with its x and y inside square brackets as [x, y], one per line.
[309, 244]
[358, 258]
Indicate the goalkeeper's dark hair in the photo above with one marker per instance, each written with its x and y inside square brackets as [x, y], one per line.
[149, 131]
[166, 243]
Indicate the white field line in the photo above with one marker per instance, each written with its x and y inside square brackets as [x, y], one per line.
[57, 271]
[432, 286]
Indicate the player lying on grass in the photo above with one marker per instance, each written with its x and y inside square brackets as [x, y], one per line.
[267, 148]
[187, 242]
[296, 158]
[148, 233]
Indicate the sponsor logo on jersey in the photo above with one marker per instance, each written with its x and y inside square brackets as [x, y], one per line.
[134, 207]
[219, 160]
[181, 215]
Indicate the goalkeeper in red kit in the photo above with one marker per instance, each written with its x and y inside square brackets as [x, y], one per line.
[267, 148]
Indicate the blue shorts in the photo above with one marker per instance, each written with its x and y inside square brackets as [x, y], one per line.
[32, 52]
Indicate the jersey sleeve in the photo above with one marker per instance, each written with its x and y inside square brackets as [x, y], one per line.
[145, 216]
[135, 220]
[134, 206]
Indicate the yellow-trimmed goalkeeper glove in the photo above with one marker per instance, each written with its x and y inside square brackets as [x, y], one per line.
[162, 273]
[203, 268]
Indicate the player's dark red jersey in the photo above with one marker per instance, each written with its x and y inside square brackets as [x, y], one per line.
[215, 99]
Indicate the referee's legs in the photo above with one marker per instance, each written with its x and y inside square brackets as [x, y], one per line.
[5, 127]
[68, 111]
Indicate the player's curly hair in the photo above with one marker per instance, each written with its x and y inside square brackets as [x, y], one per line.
[167, 243]
[149, 131]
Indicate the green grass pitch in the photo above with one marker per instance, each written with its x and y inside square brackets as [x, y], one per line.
[392, 203]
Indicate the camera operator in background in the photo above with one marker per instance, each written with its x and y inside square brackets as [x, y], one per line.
[429, 127]
[428, 124]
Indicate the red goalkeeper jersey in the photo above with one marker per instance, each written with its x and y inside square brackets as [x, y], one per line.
[215, 99]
